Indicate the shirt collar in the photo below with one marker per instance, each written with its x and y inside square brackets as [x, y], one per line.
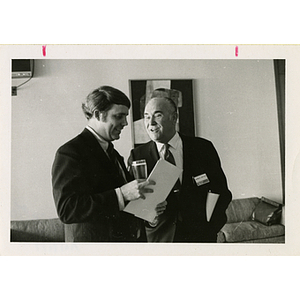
[103, 143]
[173, 142]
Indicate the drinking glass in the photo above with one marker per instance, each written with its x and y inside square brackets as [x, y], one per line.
[139, 168]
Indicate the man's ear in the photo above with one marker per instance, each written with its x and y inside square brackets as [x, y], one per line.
[175, 116]
[97, 114]
[102, 116]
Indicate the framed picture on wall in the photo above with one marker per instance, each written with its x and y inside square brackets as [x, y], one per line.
[179, 90]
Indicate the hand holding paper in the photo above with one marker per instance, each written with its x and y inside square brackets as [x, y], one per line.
[164, 175]
[136, 189]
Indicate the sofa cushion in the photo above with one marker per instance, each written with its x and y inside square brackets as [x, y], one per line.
[241, 209]
[249, 230]
[43, 230]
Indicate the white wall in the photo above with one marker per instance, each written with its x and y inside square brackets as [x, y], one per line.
[235, 107]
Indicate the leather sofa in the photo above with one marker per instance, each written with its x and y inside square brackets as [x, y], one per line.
[240, 228]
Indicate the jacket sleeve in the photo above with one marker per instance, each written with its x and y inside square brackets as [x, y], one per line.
[74, 197]
[219, 186]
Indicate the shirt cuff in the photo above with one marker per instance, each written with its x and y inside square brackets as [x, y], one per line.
[120, 199]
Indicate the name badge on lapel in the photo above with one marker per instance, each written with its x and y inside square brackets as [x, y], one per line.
[201, 179]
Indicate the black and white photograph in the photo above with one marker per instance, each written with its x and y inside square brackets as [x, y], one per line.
[114, 151]
[149, 150]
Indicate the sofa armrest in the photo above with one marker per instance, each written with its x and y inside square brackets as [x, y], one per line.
[42, 230]
[241, 209]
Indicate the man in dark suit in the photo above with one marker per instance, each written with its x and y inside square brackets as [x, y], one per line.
[184, 219]
[90, 182]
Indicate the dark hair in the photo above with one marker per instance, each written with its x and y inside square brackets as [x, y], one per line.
[103, 99]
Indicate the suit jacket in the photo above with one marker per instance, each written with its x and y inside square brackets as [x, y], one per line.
[83, 180]
[199, 157]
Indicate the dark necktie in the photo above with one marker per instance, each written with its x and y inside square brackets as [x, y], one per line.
[168, 155]
[113, 157]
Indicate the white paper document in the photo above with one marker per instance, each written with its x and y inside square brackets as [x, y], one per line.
[210, 204]
[165, 176]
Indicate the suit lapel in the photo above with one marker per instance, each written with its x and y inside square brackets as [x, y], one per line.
[193, 161]
[96, 151]
[94, 148]
[186, 160]
[153, 156]
[123, 166]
